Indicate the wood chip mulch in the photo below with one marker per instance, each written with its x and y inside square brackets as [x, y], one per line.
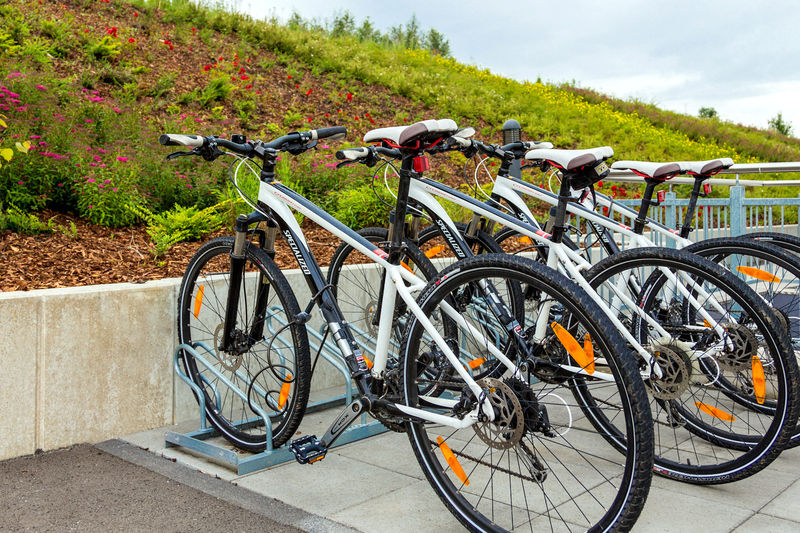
[99, 255]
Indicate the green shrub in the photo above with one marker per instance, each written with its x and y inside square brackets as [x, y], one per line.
[217, 90]
[179, 224]
[107, 199]
[361, 208]
[19, 222]
[103, 49]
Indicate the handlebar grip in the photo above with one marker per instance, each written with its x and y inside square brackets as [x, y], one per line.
[538, 145]
[173, 139]
[461, 141]
[334, 133]
[352, 154]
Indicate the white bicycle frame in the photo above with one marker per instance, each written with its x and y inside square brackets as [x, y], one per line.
[278, 198]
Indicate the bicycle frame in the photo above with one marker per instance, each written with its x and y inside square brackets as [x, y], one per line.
[275, 203]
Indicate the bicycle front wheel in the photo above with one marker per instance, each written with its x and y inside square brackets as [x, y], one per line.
[540, 464]
[264, 373]
[706, 330]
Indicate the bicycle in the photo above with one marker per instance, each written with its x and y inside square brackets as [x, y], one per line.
[513, 431]
[753, 447]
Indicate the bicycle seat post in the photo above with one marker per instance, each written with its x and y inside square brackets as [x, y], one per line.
[687, 227]
[647, 201]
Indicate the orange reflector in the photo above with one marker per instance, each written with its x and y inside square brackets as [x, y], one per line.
[706, 323]
[573, 347]
[198, 300]
[433, 252]
[367, 361]
[757, 273]
[475, 363]
[450, 457]
[284, 395]
[716, 413]
[524, 239]
[759, 381]
[589, 349]
[404, 265]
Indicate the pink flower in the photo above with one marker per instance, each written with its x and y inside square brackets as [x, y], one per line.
[106, 181]
[115, 189]
[189, 185]
[88, 121]
[102, 151]
[16, 75]
[90, 180]
[35, 137]
[91, 206]
[97, 158]
[123, 159]
[20, 182]
[41, 87]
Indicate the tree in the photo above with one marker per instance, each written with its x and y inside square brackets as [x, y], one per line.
[437, 43]
[707, 112]
[781, 126]
[343, 24]
[411, 38]
[367, 31]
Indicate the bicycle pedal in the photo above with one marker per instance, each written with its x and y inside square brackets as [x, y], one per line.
[308, 449]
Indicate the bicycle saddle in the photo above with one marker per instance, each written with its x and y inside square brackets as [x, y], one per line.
[646, 169]
[705, 168]
[405, 135]
[570, 159]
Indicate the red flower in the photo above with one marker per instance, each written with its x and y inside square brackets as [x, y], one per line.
[308, 118]
[356, 117]
[327, 114]
[248, 86]
[296, 86]
[370, 119]
[221, 59]
[207, 68]
[308, 92]
[349, 97]
[135, 15]
[244, 77]
[194, 30]
[169, 43]
[258, 92]
[241, 70]
[112, 31]
[600, 183]
[290, 76]
[338, 110]
[233, 78]
[366, 114]
[131, 40]
[191, 48]
[405, 119]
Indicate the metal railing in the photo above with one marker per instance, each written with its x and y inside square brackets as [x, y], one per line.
[721, 217]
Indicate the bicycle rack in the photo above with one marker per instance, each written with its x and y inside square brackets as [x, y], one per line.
[246, 463]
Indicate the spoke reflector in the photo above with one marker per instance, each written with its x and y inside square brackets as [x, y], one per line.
[573, 347]
[284, 395]
[475, 363]
[198, 301]
[404, 265]
[450, 457]
[759, 381]
[713, 411]
[524, 239]
[757, 273]
[706, 323]
[589, 349]
[433, 252]
[367, 361]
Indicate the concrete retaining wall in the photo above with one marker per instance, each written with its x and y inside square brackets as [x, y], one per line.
[93, 363]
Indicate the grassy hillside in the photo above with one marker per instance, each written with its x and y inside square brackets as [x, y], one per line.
[87, 85]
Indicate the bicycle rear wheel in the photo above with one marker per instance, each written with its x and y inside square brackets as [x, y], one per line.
[541, 463]
[269, 359]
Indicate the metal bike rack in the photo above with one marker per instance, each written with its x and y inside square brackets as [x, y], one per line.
[245, 463]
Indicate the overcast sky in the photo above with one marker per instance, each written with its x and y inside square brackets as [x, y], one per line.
[740, 57]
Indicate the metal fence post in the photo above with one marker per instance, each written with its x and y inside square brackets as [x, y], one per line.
[670, 215]
[737, 211]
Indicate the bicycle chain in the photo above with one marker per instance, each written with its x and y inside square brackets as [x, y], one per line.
[495, 467]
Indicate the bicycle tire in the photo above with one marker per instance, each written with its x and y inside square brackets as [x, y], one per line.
[789, 243]
[593, 504]
[746, 453]
[282, 388]
[776, 268]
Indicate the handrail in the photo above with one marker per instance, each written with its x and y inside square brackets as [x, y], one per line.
[627, 176]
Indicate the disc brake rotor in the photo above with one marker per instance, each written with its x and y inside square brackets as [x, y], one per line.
[676, 373]
[508, 425]
[229, 361]
[740, 347]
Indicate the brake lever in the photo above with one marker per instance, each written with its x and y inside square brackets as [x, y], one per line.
[174, 155]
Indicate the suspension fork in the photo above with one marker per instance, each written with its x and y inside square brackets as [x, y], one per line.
[238, 260]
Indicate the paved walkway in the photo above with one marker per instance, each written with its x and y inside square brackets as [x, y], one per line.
[376, 486]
